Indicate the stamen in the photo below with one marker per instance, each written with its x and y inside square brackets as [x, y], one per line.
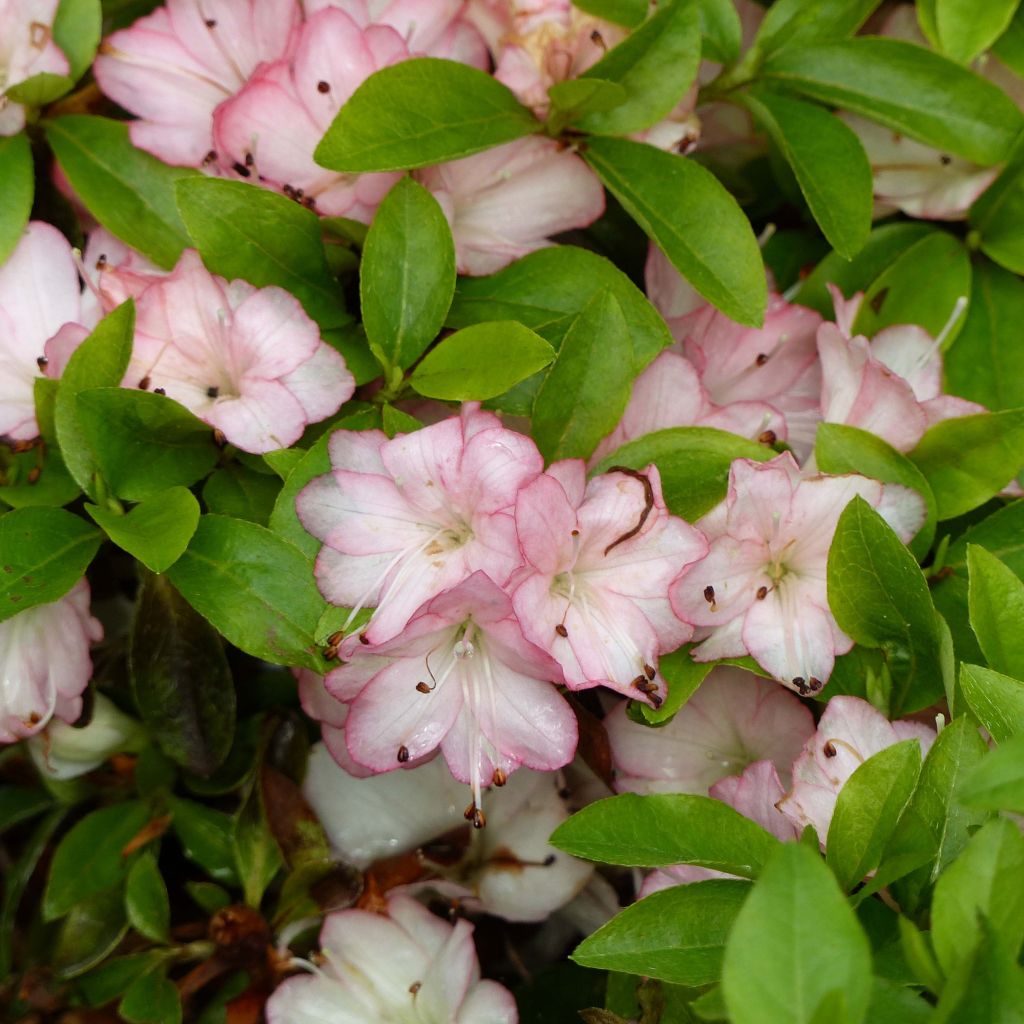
[648, 504]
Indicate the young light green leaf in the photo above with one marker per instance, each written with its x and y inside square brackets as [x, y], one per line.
[677, 935]
[694, 220]
[253, 587]
[483, 361]
[799, 22]
[146, 900]
[43, 554]
[420, 112]
[829, 162]
[244, 231]
[394, 422]
[880, 598]
[586, 391]
[868, 809]
[129, 192]
[18, 176]
[997, 701]
[693, 463]
[684, 676]
[622, 12]
[969, 459]
[77, 27]
[653, 831]
[796, 948]
[906, 88]
[655, 64]
[967, 29]
[997, 783]
[721, 29]
[156, 531]
[407, 275]
[996, 602]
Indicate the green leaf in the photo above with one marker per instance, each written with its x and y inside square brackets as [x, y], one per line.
[676, 935]
[868, 809]
[151, 999]
[893, 1004]
[986, 364]
[244, 231]
[129, 192]
[43, 554]
[407, 275]
[484, 361]
[575, 98]
[996, 215]
[969, 459]
[986, 879]
[985, 987]
[254, 588]
[840, 449]
[156, 531]
[996, 602]
[19, 803]
[997, 784]
[100, 360]
[77, 27]
[655, 64]
[112, 978]
[906, 88]
[880, 598]
[89, 859]
[654, 831]
[18, 176]
[146, 900]
[39, 89]
[180, 678]
[721, 29]
[693, 463]
[684, 676]
[585, 393]
[206, 835]
[798, 22]
[393, 421]
[144, 443]
[209, 896]
[257, 856]
[420, 112]
[997, 701]
[695, 221]
[829, 162]
[622, 12]
[796, 948]
[37, 477]
[967, 29]
[237, 491]
[90, 933]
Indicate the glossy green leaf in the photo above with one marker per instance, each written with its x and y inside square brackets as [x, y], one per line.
[242, 493]
[146, 900]
[37, 477]
[585, 393]
[39, 89]
[695, 221]
[20, 803]
[90, 932]
[995, 700]
[77, 27]
[623, 12]
[868, 809]
[1009, 48]
[798, 22]
[485, 360]
[18, 177]
[966, 29]
[906, 88]
[129, 192]
[721, 29]
[683, 676]
[43, 554]
[996, 603]
[244, 231]
[205, 834]
[112, 978]
[407, 275]
[575, 98]
[829, 162]
[796, 954]
[156, 531]
[420, 112]
[654, 831]
[151, 999]
[997, 784]
[254, 588]
[676, 935]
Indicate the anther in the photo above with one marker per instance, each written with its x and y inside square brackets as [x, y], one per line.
[101, 261]
[403, 754]
[762, 358]
[762, 593]
[640, 683]
[415, 987]
[479, 819]
[249, 160]
[469, 812]
[561, 630]
[211, 22]
[323, 86]
[218, 437]
[423, 688]
[42, 362]
[241, 170]
[499, 778]
[364, 639]
[814, 685]
[945, 160]
[330, 652]
[801, 685]
[650, 671]
[829, 750]
[768, 437]
[33, 474]
[210, 157]
[144, 383]
[709, 594]
[335, 638]
[161, 391]
[212, 391]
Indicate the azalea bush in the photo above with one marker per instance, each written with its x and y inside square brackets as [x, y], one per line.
[511, 511]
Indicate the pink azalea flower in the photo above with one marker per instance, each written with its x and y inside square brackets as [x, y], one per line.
[246, 360]
[600, 558]
[462, 677]
[39, 296]
[849, 732]
[733, 720]
[762, 589]
[405, 965]
[173, 67]
[26, 49]
[45, 664]
[509, 201]
[269, 130]
[405, 519]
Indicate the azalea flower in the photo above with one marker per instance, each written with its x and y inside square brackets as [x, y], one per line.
[246, 360]
[405, 519]
[849, 732]
[26, 49]
[460, 676]
[39, 295]
[508, 201]
[269, 130]
[735, 719]
[172, 68]
[599, 561]
[762, 588]
[45, 664]
[407, 965]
